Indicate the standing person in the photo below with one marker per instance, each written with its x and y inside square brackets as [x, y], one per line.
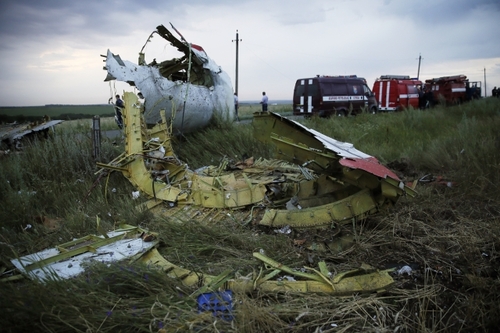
[421, 98]
[494, 92]
[119, 105]
[429, 99]
[236, 106]
[264, 101]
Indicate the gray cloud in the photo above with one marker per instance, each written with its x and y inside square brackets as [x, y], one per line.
[34, 18]
[437, 12]
[56, 43]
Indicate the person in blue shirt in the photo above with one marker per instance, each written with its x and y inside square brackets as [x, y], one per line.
[264, 101]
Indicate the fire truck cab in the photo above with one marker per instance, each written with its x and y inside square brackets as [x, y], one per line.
[396, 92]
[453, 89]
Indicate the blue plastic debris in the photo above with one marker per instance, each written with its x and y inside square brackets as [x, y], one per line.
[219, 303]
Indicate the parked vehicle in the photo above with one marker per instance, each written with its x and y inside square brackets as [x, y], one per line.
[473, 90]
[453, 89]
[396, 92]
[332, 95]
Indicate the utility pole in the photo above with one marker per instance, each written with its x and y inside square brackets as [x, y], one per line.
[419, 60]
[237, 40]
[485, 91]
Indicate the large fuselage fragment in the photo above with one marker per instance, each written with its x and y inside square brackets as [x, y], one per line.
[191, 89]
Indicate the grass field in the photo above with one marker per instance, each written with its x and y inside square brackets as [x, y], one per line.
[448, 235]
[71, 112]
[246, 110]
[64, 112]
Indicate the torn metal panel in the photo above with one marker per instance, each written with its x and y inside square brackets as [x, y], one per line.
[192, 88]
[12, 134]
[274, 128]
[225, 191]
[69, 259]
[299, 144]
[355, 206]
[365, 185]
[363, 280]
[151, 165]
[368, 164]
[283, 127]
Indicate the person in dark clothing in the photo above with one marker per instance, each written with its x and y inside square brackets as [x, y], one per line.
[236, 104]
[494, 92]
[421, 99]
[119, 105]
[429, 98]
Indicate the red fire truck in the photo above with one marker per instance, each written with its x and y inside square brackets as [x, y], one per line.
[453, 89]
[396, 92]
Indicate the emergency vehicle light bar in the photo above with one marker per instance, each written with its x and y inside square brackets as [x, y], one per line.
[340, 76]
[397, 77]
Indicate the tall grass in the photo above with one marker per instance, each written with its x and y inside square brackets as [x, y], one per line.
[460, 142]
[223, 139]
[448, 236]
[55, 179]
[246, 110]
[54, 111]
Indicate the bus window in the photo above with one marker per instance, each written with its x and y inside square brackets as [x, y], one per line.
[299, 90]
[326, 89]
[339, 89]
[312, 89]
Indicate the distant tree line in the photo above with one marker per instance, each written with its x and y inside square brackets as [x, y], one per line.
[54, 111]
[64, 116]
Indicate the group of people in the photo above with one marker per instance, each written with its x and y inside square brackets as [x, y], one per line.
[495, 92]
[264, 101]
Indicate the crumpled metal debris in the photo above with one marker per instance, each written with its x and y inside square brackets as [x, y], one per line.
[133, 243]
[405, 270]
[330, 181]
[12, 134]
[165, 84]
[285, 230]
[366, 279]
[68, 259]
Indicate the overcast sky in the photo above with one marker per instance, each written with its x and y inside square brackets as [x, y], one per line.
[50, 49]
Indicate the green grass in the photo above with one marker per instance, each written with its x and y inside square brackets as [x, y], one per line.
[87, 111]
[246, 110]
[450, 236]
[461, 142]
[84, 125]
[209, 146]
[64, 112]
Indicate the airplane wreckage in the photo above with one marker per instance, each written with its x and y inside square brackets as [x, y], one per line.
[315, 182]
[318, 182]
[191, 89]
[12, 135]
